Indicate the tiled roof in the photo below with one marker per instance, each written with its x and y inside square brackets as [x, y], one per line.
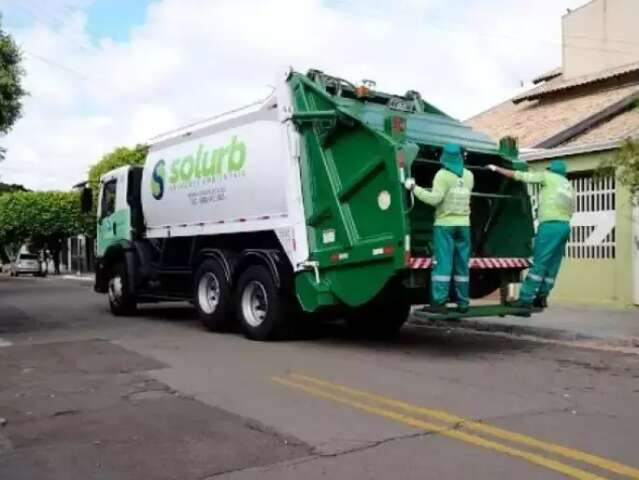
[625, 125]
[537, 120]
[555, 72]
[560, 83]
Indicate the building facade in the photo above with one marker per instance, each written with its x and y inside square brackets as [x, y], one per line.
[601, 266]
[582, 112]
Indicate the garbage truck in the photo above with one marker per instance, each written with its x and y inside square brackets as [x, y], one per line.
[294, 207]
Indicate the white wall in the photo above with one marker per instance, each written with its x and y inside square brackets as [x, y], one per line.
[600, 35]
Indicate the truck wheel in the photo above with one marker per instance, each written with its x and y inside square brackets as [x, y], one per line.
[381, 318]
[122, 303]
[378, 323]
[212, 296]
[261, 308]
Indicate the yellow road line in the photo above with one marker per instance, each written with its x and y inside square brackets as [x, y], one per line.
[441, 415]
[562, 468]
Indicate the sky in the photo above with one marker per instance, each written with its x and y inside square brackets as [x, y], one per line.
[106, 73]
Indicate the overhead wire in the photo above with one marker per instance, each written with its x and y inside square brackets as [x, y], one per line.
[48, 12]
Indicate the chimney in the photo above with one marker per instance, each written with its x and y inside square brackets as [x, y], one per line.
[602, 34]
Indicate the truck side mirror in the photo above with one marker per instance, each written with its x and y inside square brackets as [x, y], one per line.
[86, 200]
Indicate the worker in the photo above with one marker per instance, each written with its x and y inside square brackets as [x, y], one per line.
[556, 204]
[450, 195]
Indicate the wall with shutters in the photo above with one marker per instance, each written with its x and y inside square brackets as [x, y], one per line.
[598, 267]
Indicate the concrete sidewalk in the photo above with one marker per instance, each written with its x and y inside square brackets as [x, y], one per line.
[613, 327]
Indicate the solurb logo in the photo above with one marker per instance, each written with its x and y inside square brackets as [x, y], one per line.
[157, 180]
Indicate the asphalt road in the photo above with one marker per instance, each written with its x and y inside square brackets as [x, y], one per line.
[89, 396]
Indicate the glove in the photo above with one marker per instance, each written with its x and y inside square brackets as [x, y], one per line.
[492, 168]
[409, 184]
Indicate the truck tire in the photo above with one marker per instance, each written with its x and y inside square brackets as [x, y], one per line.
[212, 296]
[378, 323]
[121, 302]
[381, 318]
[262, 309]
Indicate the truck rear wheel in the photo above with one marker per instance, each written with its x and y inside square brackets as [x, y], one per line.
[378, 323]
[261, 307]
[121, 301]
[212, 296]
[381, 318]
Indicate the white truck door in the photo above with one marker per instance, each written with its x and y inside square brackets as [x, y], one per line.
[114, 214]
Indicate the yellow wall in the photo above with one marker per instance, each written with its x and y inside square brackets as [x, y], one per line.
[606, 282]
[587, 281]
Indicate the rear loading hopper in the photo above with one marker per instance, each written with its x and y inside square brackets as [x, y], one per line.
[370, 242]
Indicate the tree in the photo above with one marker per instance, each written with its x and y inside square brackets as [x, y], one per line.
[628, 166]
[11, 91]
[43, 219]
[119, 157]
[11, 187]
[5, 249]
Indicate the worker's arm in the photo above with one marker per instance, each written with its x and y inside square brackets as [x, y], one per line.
[526, 177]
[432, 197]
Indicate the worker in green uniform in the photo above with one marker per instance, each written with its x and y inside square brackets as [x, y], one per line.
[450, 195]
[556, 204]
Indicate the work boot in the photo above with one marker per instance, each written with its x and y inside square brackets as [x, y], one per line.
[520, 304]
[540, 302]
[438, 309]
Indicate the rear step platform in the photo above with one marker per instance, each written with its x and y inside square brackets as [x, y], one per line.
[477, 311]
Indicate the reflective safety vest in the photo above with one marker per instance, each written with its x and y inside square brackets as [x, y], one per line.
[450, 196]
[557, 197]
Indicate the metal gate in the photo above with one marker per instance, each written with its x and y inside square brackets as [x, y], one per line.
[592, 234]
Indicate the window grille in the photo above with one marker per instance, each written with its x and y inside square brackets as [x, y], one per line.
[592, 234]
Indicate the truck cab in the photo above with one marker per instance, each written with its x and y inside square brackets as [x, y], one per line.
[119, 219]
[114, 212]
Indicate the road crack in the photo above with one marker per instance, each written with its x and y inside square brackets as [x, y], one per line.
[315, 455]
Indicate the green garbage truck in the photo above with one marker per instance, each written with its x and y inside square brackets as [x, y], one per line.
[294, 207]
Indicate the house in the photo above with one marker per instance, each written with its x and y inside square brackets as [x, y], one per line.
[583, 111]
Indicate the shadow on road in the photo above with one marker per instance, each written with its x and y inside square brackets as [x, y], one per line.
[412, 339]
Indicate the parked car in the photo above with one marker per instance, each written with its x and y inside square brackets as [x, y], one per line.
[26, 263]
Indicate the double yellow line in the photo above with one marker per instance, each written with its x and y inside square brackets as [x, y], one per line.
[458, 428]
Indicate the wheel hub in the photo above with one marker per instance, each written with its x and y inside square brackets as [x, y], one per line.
[208, 293]
[115, 289]
[254, 303]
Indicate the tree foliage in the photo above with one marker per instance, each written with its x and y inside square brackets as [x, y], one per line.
[43, 219]
[119, 157]
[11, 91]
[11, 187]
[626, 164]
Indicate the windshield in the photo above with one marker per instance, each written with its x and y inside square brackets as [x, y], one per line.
[28, 256]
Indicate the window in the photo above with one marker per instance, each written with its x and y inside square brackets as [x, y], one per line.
[28, 256]
[108, 198]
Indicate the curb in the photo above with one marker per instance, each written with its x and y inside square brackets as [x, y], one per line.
[518, 330]
[77, 277]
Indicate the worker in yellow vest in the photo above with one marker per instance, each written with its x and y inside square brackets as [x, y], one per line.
[556, 205]
[450, 195]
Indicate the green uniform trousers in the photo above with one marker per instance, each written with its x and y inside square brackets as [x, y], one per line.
[548, 252]
[451, 257]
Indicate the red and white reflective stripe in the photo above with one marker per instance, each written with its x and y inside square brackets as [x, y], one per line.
[420, 262]
[479, 263]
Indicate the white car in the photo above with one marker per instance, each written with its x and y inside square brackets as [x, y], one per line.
[26, 263]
